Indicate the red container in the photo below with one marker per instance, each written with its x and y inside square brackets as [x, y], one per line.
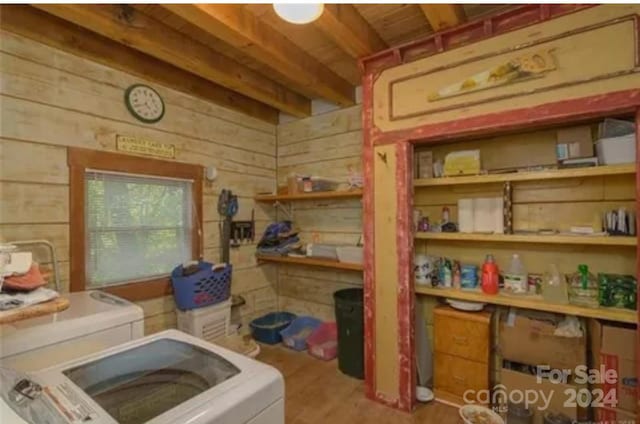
[490, 276]
[323, 342]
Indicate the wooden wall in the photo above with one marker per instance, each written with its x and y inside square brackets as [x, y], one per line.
[51, 100]
[327, 145]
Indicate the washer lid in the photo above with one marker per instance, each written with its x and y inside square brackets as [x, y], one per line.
[136, 385]
[89, 312]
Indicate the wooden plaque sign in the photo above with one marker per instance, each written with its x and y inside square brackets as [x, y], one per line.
[141, 146]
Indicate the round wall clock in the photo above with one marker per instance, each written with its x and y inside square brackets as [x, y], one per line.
[144, 103]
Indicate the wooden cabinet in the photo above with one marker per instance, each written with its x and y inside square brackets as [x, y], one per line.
[462, 351]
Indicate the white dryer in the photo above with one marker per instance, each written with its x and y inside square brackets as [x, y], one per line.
[166, 378]
[93, 322]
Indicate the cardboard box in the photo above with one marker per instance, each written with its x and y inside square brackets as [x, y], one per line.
[614, 348]
[424, 164]
[555, 392]
[527, 338]
[614, 416]
[462, 162]
[574, 142]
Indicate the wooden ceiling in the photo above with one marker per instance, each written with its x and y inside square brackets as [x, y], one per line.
[241, 56]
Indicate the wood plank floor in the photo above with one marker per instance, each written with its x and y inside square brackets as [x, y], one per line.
[318, 393]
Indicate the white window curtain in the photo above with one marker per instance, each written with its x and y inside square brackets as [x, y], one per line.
[137, 227]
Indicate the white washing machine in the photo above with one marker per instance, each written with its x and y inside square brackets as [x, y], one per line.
[93, 322]
[166, 378]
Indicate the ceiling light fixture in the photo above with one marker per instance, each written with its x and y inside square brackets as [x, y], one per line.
[299, 13]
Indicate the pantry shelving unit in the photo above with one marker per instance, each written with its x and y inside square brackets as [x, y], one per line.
[532, 238]
[542, 198]
[532, 302]
[545, 174]
[279, 199]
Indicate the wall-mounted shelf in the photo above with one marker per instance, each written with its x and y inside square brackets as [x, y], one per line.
[531, 302]
[320, 195]
[311, 262]
[551, 174]
[532, 238]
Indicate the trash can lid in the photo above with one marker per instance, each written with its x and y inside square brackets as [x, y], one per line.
[349, 295]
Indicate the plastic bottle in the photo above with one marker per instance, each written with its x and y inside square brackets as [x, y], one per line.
[554, 287]
[515, 279]
[490, 276]
[584, 288]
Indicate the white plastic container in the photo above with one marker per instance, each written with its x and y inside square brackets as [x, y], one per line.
[209, 323]
[615, 150]
[515, 278]
[350, 254]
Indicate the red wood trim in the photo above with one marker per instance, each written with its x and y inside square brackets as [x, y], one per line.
[79, 160]
[471, 32]
[406, 296]
[574, 110]
[77, 235]
[369, 240]
[638, 259]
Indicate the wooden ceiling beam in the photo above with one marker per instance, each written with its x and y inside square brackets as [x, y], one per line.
[349, 30]
[46, 29]
[443, 16]
[127, 26]
[239, 28]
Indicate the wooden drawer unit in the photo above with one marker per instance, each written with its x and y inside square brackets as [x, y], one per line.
[455, 375]
[462, 343]
[463, 334]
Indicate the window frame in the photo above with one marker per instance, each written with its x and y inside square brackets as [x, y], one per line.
[79, 161]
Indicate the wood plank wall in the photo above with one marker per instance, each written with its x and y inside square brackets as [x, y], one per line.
[51, 100]
[327, 145]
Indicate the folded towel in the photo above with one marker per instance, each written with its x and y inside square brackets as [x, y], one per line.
[20, 300]
[26, 282]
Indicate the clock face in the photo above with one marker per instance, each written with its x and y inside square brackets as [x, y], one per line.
[144, 103]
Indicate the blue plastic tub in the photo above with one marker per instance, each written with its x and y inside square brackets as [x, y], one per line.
[266, 329]
[205, 287]
[295, 336]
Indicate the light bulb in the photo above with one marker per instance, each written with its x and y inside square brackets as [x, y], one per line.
[299, 13]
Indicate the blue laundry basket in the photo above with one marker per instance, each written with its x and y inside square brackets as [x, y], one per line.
[266, 329]
[205, 287]
[295, 336]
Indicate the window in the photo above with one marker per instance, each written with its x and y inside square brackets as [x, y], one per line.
[137, 227]
[132, 220]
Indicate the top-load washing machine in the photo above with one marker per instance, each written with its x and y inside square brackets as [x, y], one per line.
[166, 378]
[93, 322]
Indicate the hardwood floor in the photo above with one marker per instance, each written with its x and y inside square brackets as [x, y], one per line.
[318, 393]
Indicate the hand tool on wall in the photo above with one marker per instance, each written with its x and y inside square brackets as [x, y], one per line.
[227, 208]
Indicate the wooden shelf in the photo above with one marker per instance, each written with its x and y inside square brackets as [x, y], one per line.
[311, 262]
[532, 238]
[550, 174]
[320, 195]
[531, 302]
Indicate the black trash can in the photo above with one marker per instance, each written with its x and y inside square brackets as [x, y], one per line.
[350, 321]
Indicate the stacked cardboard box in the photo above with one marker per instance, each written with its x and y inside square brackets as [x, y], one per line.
[614, 348]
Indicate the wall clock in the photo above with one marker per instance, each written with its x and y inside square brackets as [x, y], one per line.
[144, 103]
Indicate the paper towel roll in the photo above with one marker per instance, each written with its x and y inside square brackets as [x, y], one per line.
[465, 215]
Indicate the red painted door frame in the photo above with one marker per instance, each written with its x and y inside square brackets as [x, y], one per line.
[574, 110]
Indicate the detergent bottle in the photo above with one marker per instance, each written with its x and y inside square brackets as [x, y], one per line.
[490, 276]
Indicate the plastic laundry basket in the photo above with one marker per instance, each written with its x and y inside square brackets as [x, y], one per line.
[266, 329]
[350, 320]
[295, 335]
[323, 343]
